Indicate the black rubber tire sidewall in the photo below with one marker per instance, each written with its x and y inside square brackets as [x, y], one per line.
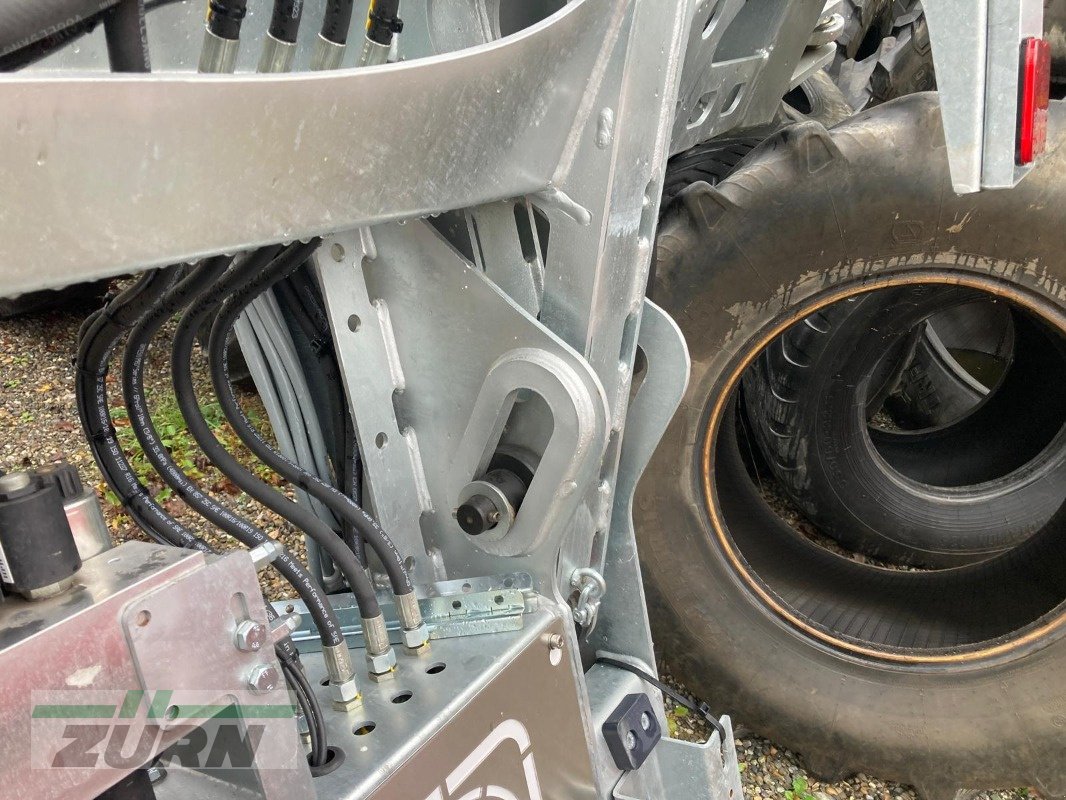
[963, 500]
[809, 214]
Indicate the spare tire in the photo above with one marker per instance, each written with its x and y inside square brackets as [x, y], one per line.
[941, 679]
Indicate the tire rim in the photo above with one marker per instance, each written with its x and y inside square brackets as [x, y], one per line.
[1036, 626]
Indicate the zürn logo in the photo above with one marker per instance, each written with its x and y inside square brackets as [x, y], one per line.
[128, 734]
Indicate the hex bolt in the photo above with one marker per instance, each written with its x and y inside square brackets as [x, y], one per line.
[250, 636]
[263, 678]
[264, 554]
[555, 649]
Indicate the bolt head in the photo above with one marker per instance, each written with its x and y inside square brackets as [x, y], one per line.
[263, 678]
[250, 636]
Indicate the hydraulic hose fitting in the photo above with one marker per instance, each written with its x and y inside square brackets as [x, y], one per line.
[382, 24]
[218, 54]
[415, 630]
[380, 657]
[222, 34]
[265, 554]
[277, 55]
[373, 53]
[343, 690]
[327, 54]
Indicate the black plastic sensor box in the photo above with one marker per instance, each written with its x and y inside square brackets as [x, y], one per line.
[632, 731]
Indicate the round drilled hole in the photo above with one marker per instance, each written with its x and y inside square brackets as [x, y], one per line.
[467, 587]
[363, 728]
[457, 604]
[143, 618]
[337, 251]
[290, 608]
[354, 323]
[381, 440]
[508, 583]
[498, 599]
[171, 713]
[436, 669]
[402, 697]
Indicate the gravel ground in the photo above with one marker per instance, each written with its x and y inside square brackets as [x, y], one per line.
[40, 425]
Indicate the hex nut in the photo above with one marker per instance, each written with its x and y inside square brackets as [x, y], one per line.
[416, 640]
[344, 696]
[250, 636]
[383, 666]
[263, 678]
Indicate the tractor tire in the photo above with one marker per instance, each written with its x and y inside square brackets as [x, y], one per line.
[933, 498]
[898, 63]
[935, 389]
[817, 98]
[943, 680]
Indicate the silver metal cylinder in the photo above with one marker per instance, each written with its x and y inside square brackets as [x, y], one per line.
[218, 54]
[376, 634]
[408, 611]
[49, 591]
[338, 662]
[14, 481]
[326, 54]
[277, 56]
[86, 521]
[373, 53]
[343, 690]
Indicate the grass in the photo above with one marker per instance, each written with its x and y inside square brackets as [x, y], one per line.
[799, 790]
[175, 437]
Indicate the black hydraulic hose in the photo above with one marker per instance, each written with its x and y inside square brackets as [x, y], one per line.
[383, 21]
[311, 709]
[45, 46]
[302, 518]
[336, 21]
[134, 361]
[127, 40]
[351, 481]
[224, 17]
[94, 355]
[297, 297]
[285, 20]
[25, 22]
[336, 501]
[97, 341]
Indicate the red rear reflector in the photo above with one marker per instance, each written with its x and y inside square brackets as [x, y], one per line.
[1033, 106]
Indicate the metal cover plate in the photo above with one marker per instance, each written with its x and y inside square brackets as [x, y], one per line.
[503, 715]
